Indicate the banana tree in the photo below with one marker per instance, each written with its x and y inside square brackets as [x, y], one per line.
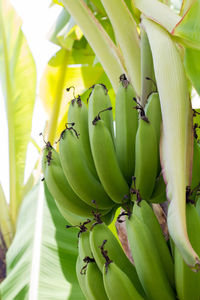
[156, 46]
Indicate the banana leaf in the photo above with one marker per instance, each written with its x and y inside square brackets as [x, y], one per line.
[18, 82]
[188, 29]
[66, 68]
[41, 259]
[192, 66]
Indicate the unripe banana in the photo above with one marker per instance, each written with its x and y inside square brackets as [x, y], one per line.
[84, 248]
[187, 281]
[94, 282]
[98, 101]
[81, 277]
[147, 261]
[146, 159]
[106, 163]
[198, 205]
[98, 234]
[159, 192]
[147, 70]
[78, 114]
[195, 183]
[93, 279]
[60, 189]
[118, 285]
[81, 266]
[145, 213]
[126, 120]
[154, 115]
[76, 170]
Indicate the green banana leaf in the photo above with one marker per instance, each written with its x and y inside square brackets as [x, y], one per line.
[188, 29]
[192, 66]
[18, 82]
[41, 259]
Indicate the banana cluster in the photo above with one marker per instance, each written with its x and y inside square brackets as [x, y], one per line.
[159, 272]
[105, 164]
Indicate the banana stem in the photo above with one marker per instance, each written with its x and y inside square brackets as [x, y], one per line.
[127, 37]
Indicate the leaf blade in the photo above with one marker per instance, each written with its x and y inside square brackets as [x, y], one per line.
[18, 78]
[47, 271]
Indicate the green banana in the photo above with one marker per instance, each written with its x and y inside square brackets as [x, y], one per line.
[117, 284]
[84, 248]
[147, 260]
[126, 121]
[78, 114]
[146, 159]
[94, 283]
[159, 192]
[106, 163]
[98, 234]
[153, 113]
[81, 277]
[195, 182]
[83, 251]
[68, 202]
[198, 205]
[187, 281]
[145, 213]
[147, 70]
[76, 170]
[98, 101]
[93, 279]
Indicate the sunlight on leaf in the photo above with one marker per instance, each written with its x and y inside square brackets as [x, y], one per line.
[41, 259]
[67, 69]
[18, 79]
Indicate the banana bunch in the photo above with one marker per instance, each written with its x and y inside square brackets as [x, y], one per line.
[101, 164]
[159, 272]
[100, 277]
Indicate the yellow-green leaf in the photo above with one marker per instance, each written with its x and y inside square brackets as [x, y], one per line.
[106, 51]
[188, 29]
[18, 80]
[66, 69]
[192, 66]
